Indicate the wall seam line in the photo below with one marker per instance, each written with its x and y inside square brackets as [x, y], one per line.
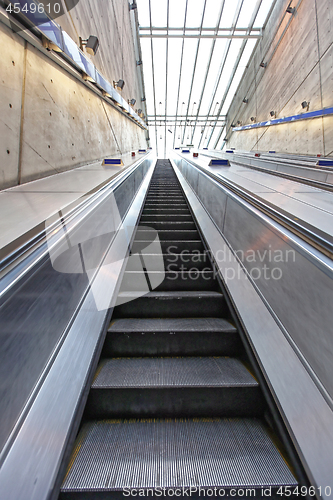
[19, 167]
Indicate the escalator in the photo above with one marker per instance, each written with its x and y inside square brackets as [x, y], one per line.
[174, 408]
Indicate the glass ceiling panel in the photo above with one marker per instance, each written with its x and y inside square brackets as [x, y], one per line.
[219, 50]
[204, 50]
[159, 48]
[263, 13]
[229, 11]
[177, 13]
[174, 58]
[211, 13]
[246, 13]
[209, 85]
[143, 12]
[194, 13]
[159, 13]
[190, 47]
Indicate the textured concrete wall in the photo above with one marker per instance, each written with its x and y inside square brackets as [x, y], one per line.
[49, 120]
[301, 69]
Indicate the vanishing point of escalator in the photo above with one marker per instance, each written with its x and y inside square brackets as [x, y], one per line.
[172, 404]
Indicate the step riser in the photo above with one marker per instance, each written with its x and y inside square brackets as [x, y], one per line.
[184, 307]
[169, 225]
[177, 262]
[175, 402]
[172, 344]
[168, 235]
[146, 218]
[166, 206]
[174, 281]
[166, 212]
[168, 246]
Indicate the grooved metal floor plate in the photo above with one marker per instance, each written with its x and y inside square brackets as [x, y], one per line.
[112, 455]
[173, 372]
[172, 325]
[174, 295]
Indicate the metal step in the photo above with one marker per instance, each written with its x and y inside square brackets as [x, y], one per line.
[171, 305]
[166, 212]
[168, 234]
[174, 261]
[223, 453]
[146, 218]
[166, 206]
[171, 246]
[172, 337]
[168, 225]
[174, 387]
[192, 280]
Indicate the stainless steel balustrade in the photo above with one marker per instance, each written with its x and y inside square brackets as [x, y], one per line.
[287, 321]
[301, 298]
[42, 313]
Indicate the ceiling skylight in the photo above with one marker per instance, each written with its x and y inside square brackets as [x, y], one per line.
[194, 56]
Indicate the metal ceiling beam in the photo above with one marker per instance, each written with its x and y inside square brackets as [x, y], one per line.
[215, 29]
[152, 65]
[235, 68]
[166, 78]
[226, 52]
[209, 62]
[183, 117]
[195, 64]
[189, 121]
[186, 35]
[180, 69]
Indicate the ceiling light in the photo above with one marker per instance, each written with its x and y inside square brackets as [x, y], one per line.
[91, 45]
[119, 85]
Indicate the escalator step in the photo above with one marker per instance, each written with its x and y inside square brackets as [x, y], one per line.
[174, 387]
[168, 234]
[166, 212]
[145, 218]
[170, 305]
[167, 224]
[172, 337]
[171, 246]
[222, 453]
[164, 281]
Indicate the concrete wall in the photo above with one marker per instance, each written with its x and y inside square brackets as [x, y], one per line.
[49, 120]
[301, 69]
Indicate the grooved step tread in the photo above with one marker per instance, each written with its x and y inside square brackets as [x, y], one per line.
[173, 304]
[171, 325]
[175, 453]
[173, 372]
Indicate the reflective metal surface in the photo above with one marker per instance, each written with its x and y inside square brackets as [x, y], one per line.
[307, 318]
[38, 312]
